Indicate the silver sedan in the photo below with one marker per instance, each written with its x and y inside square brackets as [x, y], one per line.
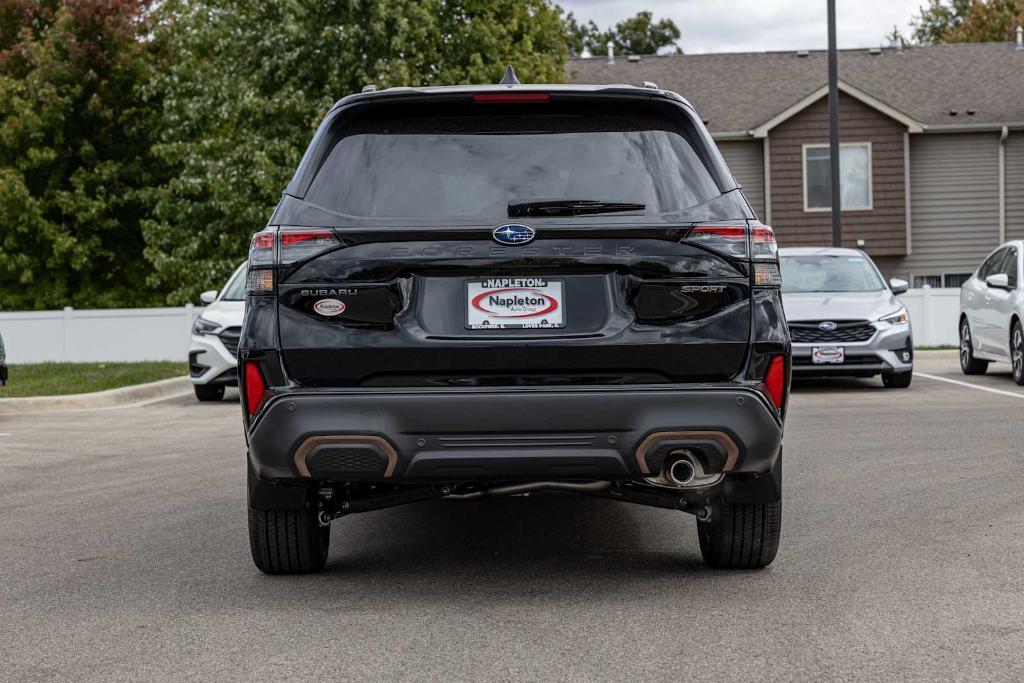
[844, 317]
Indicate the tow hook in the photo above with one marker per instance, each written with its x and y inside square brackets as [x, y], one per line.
[703, 514]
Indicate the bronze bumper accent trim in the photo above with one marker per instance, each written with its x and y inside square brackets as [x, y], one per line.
[312, 442]
[732, 451]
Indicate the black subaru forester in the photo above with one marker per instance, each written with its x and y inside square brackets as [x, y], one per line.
[479, 291]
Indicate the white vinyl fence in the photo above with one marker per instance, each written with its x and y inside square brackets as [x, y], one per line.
[98, 335]
[137, 334]
[934, 315]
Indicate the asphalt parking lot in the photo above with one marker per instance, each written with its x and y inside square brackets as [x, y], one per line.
[125, 555]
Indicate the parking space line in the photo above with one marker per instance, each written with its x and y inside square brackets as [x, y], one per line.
[1001, 392]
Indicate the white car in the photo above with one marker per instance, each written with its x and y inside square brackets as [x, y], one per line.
[991, 310]
[212, 362]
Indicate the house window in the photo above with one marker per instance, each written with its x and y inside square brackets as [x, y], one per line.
[955, 279]
[927, 281]
[854, 177]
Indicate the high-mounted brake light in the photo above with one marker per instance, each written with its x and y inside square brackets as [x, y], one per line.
[255, 388]
[775, 380]
[495, 97]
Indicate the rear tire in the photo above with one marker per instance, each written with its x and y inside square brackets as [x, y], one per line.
[969, 365]
[204, 392]
[897, 380]
[1017, 352]
[741, 536]
[288, 541]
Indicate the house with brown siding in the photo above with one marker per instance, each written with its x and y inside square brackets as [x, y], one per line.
[932, 144]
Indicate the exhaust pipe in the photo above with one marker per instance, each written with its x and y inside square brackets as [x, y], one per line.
[681, 472]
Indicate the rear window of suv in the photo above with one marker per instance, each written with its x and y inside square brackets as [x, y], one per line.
[472, 166]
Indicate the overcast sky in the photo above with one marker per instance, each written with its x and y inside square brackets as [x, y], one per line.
[758, 25]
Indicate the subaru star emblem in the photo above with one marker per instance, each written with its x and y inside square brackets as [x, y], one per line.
[513, 233]
[827, 326]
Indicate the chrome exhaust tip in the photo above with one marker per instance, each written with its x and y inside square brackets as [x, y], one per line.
[681, 472]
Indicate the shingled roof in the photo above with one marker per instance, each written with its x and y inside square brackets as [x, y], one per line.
[737, 92]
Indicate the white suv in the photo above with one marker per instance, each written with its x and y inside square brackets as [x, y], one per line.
[212, 363]
[991, 310]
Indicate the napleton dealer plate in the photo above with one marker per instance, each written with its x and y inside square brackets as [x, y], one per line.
[514, 303]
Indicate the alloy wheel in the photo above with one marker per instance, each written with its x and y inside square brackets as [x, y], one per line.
[1017, 354]
[965, 345]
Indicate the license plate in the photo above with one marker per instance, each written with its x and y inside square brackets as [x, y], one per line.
[828, 355]
[514, 303]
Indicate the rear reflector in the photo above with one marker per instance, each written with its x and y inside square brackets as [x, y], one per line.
[492, 97]
[775, 380]
[255, 388]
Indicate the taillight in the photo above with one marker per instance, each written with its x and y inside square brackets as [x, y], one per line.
[762, 243]
[756, 241]
[299, 244]
[255, 388]
[726, 239]
[775, 381]
[499, 97]
[261, 249]
[259, 279]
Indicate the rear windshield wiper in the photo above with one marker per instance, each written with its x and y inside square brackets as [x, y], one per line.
[568, 207]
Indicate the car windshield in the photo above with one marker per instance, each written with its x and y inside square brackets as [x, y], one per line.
[829, 273]
[489, 168]
[234, 290]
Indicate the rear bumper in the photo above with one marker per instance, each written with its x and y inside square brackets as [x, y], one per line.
[456, 435]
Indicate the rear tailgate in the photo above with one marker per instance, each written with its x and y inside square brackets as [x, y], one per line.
[411, 282]
[628, 308]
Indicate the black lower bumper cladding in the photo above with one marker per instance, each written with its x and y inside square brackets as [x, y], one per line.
[428, 437]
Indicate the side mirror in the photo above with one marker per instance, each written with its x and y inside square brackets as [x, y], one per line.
[898, 286]
[209, 296]
[998, 280]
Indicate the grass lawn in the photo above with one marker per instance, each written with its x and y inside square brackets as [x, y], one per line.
[51, 379]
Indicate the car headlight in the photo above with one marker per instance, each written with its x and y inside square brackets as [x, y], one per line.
[900, 317]
[203, 326]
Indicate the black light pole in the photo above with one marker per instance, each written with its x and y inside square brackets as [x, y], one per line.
[833, 126]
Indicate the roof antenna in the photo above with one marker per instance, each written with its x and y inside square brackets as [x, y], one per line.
[510, 77]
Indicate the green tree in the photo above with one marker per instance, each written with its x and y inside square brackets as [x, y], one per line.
[968, 21]
[579, 36]
[641, 35]
[638, 35]
[74, 163]
[248, 81]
